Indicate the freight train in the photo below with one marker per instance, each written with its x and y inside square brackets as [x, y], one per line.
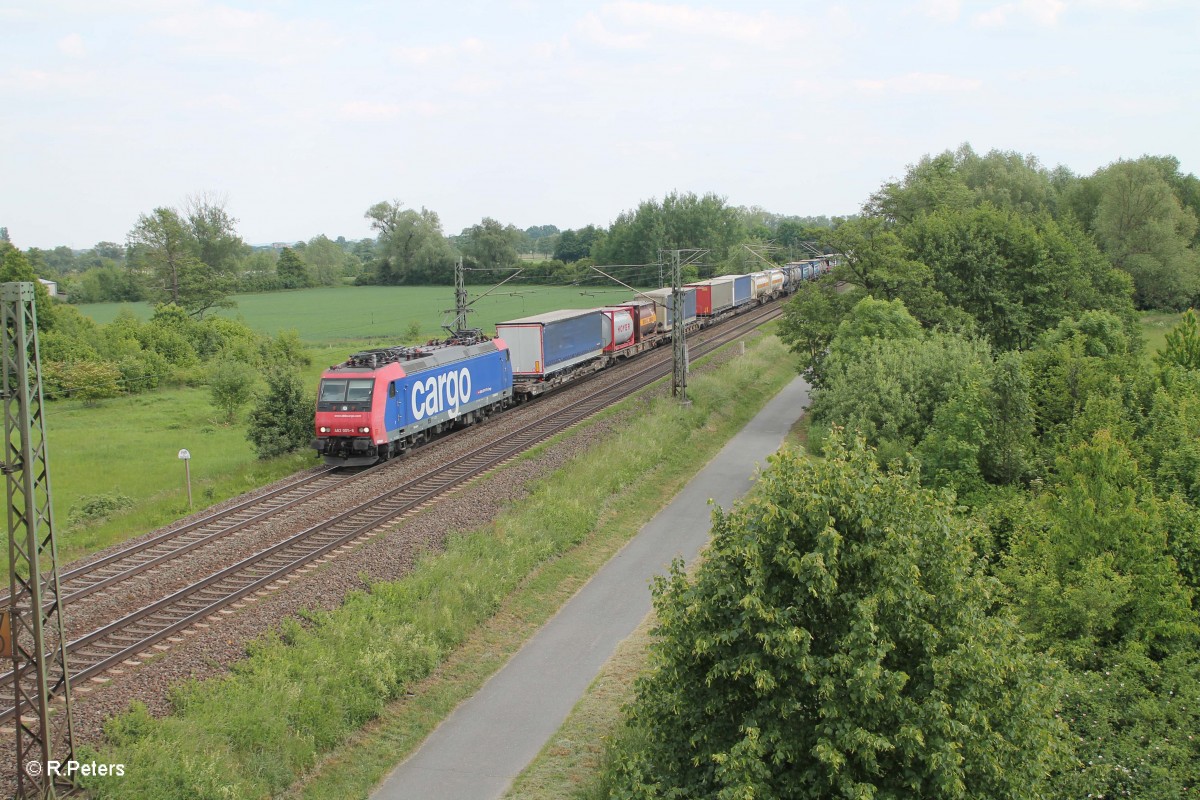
[380, 403]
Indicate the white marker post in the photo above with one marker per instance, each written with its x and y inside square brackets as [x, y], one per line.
[187, 471]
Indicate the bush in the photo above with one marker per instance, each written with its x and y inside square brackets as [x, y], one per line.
[232, 385]
[89, 381]
[282, 419]
[96, 507]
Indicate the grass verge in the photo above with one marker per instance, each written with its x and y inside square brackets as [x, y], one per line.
[406, 652]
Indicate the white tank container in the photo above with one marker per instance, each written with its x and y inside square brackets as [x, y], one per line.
[618, 327]
[762, 284]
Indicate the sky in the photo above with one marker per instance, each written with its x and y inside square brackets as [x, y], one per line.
[301, 115]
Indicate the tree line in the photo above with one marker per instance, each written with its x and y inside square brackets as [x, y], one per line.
[195, 258]
[1140, 215]
[1137, 215]
[987, 581]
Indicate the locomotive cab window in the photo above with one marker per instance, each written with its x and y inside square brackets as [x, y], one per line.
[359, 391]
[346, 391]
[333, 391]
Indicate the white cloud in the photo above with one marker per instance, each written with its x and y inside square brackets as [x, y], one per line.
[941, 10]
[367, 111]
[72, 45]
[38, 80]
[476, 85]
[231, 33]
[1045, 13]
[626, 24]
[441, 52]
[593, 28]
[220, 101]
[362, 109]
[921, 83]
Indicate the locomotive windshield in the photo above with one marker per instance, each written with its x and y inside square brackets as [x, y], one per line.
[346, 391]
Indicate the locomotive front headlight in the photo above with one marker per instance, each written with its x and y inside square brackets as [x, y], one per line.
[324, 429]
[364, 430]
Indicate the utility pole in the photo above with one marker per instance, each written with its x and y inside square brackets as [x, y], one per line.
[460, 297]
[459, 330]
[39, 647]
[678, 260]
[678, 336]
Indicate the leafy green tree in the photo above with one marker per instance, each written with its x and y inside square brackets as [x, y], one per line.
[877, 261]
[285, 349]
[1169, 448]
[951, 451]
[889, 390]
[327, 263]
[214, 231]
[1182, 348]
[836, 642]
[164, 250]
[1078, 362]
[282, 418]
[231, 384]
[962, 179]
[1016, 275]
[809, 321]
[169, 333]
[573, 245]
[796, 234]
[1094, 572]
[411, 248]
[491, 244]
[1011, 448]
[14, 267]
[678, 221]
[89, 381]
[1136, 728]
[109, 251]
[106, 284]
[1007, 180]
[932, 183]
[1147, 232]
[1094, 575]
[872, 319]
[291, 270]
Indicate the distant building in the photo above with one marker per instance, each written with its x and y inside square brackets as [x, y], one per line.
[51, 286]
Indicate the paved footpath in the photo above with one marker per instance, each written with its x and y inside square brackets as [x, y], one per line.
[485, 743]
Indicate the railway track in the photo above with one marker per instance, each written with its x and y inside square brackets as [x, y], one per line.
[77, 583]
[122, 640]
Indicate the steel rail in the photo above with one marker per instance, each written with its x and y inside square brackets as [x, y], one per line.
[123, 639]
[148, 553]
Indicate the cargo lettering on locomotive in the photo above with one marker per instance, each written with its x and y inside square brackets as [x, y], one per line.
[440, 393]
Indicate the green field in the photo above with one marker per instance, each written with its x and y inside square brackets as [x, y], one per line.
[128, 447]
[339, 313]
[1155, 326]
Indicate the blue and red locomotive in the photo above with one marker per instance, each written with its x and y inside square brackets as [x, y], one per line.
[381, 402]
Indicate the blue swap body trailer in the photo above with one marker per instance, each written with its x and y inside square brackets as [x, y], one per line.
[552, 348]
